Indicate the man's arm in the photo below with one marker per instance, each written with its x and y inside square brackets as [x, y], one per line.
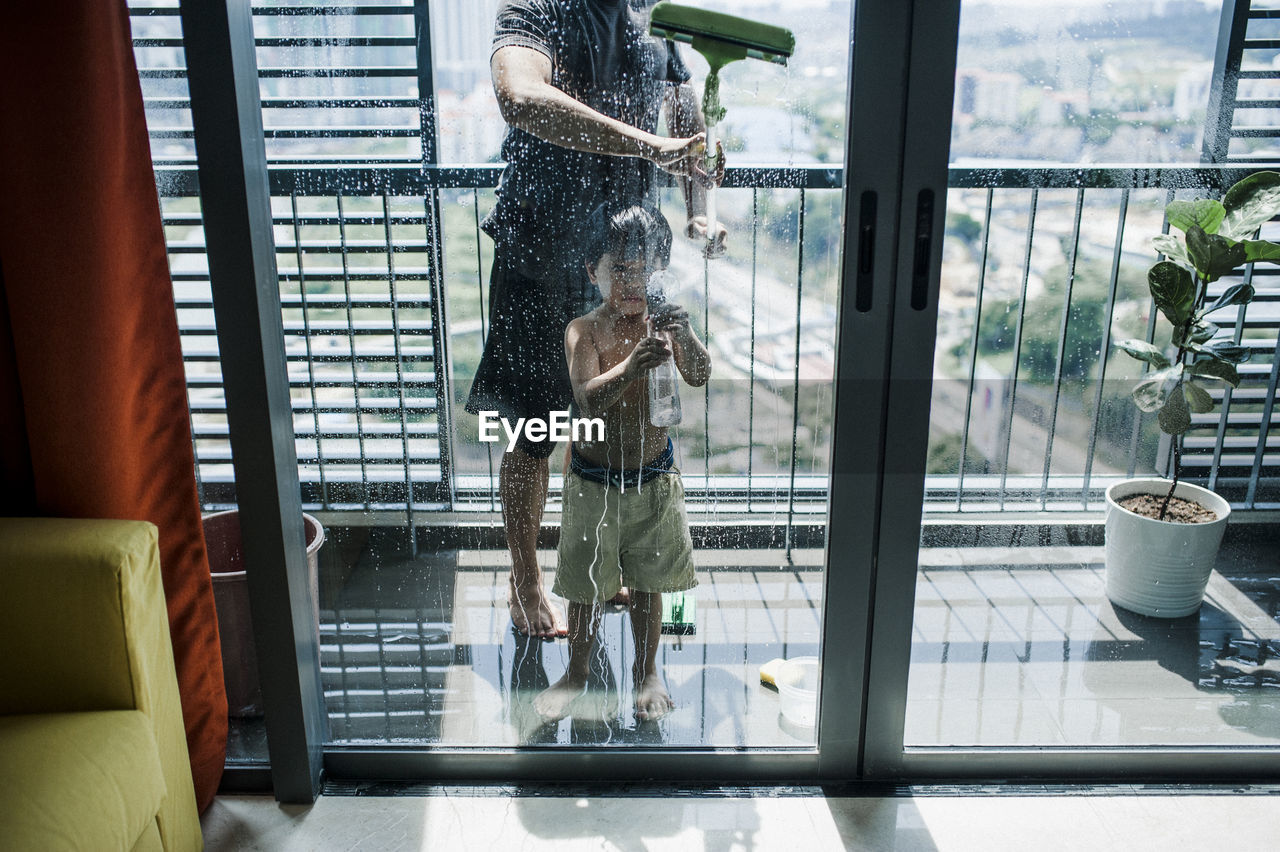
[596, 391]
[522, 81]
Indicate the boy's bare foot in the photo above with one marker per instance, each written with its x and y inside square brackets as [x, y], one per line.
[652, 700]
[556, 701]
[532, 614]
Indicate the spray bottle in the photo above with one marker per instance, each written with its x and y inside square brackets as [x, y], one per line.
[664, 379]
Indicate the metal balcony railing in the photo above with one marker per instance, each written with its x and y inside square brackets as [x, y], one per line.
[384, 279]
[368, 288]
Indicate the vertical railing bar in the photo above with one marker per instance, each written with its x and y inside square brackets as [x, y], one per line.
[484, 328]
[706, 387]
[339, 619]
[400, 389]
[351, 345]
[1062, 347]
[1220, 433]
[419, 615]
[1017, 347]
[795, 392]
[311, 361]
[973, 347]
[1108, 312]
[382, 669]
[1150, 338]
[751, 346]
[1264, 430]
[441, 363]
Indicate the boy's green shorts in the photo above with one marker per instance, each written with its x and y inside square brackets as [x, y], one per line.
[609, 539]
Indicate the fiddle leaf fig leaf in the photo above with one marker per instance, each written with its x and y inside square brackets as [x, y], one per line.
[1153, 391]
[1144, 351]
[1172, 248]
[1236, 294]
[1209, 368]
[1198, 399]
[1261, 250]
[1249, 203]
[1173, 291]
[1175, 417]
[1213, 256]
[1222, 350]
[1204, 213]
[1201, 332]
[1225, 350]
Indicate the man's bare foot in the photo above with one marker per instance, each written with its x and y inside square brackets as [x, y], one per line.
[622, 598]
[556, 701]
[533, 615]
[652, 700]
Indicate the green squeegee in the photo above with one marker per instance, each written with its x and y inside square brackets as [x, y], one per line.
[679, 614]
[721, 39]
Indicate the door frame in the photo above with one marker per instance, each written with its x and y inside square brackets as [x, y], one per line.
[929, 97]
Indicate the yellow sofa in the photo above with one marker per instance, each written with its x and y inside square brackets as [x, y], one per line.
[93, 755]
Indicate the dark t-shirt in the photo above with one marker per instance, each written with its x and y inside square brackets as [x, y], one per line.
[601, 55]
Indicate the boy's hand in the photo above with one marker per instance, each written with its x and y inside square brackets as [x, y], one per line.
[649, 353]
[673, 319]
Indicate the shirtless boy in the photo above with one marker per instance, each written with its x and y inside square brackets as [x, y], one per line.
[624, 521]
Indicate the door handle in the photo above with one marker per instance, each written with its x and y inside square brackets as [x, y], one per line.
[923, 250]
[866, 252]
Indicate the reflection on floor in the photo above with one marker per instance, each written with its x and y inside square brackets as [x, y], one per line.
[1021, 647]
[422, 651]
[1012, 646]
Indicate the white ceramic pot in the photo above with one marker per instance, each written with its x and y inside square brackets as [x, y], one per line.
[1161, 568]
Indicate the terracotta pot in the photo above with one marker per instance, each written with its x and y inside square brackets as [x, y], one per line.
[231, 598]
[1161, 568]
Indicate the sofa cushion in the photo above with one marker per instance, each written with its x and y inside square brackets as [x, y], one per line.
[78, 780]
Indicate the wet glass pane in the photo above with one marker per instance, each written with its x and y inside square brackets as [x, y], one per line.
[1015, 639]
[388, 283]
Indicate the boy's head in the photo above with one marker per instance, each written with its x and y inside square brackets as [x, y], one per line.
[636, 241]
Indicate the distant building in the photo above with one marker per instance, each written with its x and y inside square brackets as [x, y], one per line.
[461, 36]
[988, 95]
[1191, 92]
[471, 127]
[1058, 108]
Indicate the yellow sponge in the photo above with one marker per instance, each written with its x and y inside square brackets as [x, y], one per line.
[769, 671]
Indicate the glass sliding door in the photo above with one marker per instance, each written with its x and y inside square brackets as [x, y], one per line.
[380, 134]
[1022, 417]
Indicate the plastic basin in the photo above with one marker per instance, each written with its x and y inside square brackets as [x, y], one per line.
[797, 683]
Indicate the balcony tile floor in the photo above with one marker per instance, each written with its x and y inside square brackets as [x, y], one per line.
[1012, 646]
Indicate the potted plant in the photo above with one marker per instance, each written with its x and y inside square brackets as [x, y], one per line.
[1162, 536]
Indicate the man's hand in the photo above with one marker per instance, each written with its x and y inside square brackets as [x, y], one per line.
[686, 157]
[649, 353]
[696, 229]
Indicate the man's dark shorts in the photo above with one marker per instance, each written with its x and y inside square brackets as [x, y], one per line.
[523, 372]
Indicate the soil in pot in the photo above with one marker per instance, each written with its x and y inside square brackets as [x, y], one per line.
[1180, 511]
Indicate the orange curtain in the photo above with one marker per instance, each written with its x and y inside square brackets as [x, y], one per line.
[93, 404]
